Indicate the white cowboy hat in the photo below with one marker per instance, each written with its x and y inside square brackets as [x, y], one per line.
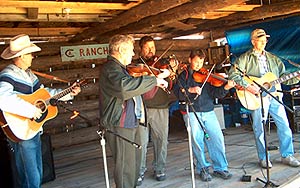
[19, 45]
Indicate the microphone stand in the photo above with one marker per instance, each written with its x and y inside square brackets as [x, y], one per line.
[267, 182]
[189, 103]
[189, 130]
[101, 132]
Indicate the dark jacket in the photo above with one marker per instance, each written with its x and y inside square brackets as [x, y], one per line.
[204, 102]
[117, 89]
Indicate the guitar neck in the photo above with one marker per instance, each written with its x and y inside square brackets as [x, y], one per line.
[285, 78]
[63, 93]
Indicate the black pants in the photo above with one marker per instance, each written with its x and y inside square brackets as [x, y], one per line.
[7, 170]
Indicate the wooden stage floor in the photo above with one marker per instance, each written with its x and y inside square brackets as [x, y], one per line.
[81, 166]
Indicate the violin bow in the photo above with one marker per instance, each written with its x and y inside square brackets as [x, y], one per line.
[159, 57]
[209, 73]
[147, 66]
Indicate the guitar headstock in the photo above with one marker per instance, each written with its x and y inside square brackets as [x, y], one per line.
[81, 83]
[84, 82]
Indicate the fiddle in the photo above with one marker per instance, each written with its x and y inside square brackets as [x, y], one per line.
[214, 79]
[170, 63]
[137, 70]
[159, 63]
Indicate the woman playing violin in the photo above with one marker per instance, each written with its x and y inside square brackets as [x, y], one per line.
[202, 95]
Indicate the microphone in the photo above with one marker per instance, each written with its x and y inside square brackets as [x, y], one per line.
[284, 91]
[220, 65]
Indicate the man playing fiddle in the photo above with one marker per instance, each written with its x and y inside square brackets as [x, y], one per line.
[202, 96]
[157, 117]
[122, 109]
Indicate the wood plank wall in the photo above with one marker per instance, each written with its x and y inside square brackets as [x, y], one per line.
[48, 61]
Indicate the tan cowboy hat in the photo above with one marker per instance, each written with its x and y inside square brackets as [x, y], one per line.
[257, 33]
[19, 45]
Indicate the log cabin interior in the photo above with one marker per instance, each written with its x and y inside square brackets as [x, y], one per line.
[218, 26]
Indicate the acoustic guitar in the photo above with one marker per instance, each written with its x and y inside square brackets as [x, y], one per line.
[270, 82]
[18, 128]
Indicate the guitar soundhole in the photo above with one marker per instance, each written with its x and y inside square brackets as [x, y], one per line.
[267, 85]
[43, 106]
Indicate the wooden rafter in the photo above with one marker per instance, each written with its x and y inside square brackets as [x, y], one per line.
[88, 21]
[178, 13]
[78, 5]
[135, 14]
[219, 26]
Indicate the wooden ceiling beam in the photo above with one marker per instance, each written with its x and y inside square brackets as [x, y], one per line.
[135, 14]
[260, 13]
[169, 18]
[45, 32]
[32, 13]
[241, 18]
[54, 4]
[239, 8]
[178, 13]
[54, 18]
[54, 10]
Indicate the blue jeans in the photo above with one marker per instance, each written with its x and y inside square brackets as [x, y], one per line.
[284, 133]
[28, 160]
[215, 146]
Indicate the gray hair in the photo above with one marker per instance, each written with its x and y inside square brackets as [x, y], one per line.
[118, 41]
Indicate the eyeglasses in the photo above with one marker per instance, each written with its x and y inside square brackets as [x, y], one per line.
[262, 41]
[32, 55]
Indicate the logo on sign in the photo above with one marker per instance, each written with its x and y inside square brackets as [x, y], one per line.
[84, 52]
[69, 53]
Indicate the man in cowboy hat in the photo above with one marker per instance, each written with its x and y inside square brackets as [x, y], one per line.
[17, 79]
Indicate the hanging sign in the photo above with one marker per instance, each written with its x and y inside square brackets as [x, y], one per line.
[84, 52]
